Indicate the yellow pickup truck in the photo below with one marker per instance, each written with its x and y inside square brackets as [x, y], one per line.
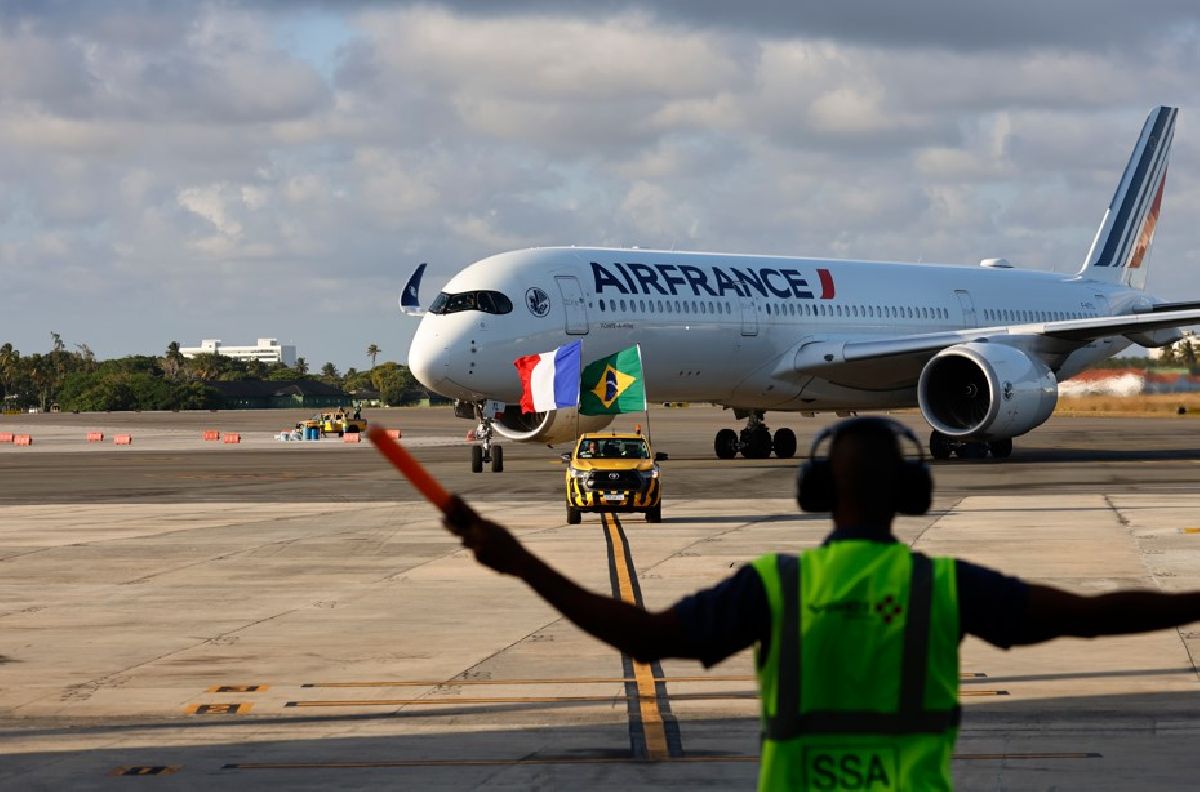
[613, 472]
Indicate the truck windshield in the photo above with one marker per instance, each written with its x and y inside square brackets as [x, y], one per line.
[613, 448]
[492, 302]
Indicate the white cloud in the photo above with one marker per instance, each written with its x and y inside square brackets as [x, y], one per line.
[185, 150]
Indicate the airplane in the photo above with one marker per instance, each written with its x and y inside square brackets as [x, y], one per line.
[979, 349]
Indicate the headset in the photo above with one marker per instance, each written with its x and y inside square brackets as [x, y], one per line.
[913, 486]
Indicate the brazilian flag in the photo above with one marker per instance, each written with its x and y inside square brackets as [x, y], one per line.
[613, 384]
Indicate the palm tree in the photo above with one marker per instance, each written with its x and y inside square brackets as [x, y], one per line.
[373, 352]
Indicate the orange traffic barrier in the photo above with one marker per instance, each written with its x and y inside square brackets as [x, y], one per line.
[351, 437]
[393, 433]
[95, 437]
[22, 440]
[231, 437]
[122, 439]
[6, 437]
[212, 434]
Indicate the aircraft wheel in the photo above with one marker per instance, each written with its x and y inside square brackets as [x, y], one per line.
[574, 516]
[497, 459]
[940, 446]
[476, 459]
[784, 443]
[726, 444]
[756, 443]
[1001, 449]
[654, 515]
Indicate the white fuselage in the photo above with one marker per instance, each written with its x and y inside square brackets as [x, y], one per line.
[720, 327]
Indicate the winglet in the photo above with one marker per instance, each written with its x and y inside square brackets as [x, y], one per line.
[410, 302]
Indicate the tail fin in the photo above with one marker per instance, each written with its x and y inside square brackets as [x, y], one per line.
[1120, 247]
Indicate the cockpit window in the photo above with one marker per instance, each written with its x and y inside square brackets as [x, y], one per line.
[492, 302]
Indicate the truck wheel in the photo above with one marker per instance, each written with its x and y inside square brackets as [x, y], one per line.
[654, 515]
[497, 459]
[476, 459]
[574, 516]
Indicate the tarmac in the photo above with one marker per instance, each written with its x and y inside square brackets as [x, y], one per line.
[291, 615]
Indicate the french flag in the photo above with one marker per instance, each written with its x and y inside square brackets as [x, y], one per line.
[550, 380]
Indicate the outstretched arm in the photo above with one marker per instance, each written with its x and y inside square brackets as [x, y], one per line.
[639, 633]
[1053, 613]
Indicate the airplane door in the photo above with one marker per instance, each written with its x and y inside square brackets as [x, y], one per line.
[749, 317]
[573, 307]
[968, 308]
[1102, 307]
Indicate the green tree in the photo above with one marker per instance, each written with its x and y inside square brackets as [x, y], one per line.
[1187, 354]
[393, 381]
[8, 368]
[173, 361]
[301, 366]
[283, 374]
[357, 380]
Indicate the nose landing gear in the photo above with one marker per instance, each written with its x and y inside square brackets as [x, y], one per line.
[755, 441]
[486, 451]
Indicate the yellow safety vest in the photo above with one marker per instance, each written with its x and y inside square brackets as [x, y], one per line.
[859, 685]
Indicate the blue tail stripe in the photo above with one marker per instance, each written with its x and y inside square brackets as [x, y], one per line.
[1145, 198]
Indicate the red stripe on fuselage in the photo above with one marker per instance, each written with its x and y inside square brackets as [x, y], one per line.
[827, 288]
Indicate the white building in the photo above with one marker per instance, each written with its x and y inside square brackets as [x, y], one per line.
[267, 350]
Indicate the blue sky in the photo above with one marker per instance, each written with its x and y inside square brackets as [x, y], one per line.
[179, 171]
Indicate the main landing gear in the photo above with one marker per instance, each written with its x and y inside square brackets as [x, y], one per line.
[942, 446]
[486, 451]
[756, 440]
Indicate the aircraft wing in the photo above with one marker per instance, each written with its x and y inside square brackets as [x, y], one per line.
[1052, 341]
[410, 301]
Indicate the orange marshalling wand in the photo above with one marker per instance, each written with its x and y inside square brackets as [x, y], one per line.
[407, 464]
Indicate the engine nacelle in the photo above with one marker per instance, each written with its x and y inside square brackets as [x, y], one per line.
[986, 391]
[551, 427]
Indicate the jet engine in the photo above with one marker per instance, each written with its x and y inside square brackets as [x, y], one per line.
[551, 427]
[986, 391]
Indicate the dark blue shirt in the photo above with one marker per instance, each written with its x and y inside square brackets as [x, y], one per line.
[734, 614]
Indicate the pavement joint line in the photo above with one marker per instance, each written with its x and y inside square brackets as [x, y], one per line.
[727, 695]
[451, 700]
[538, 681]
[966, 675]
[611, 760]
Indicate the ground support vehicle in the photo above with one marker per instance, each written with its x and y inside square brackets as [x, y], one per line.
[613, 472]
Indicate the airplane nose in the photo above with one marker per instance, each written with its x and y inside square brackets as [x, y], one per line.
[427, 361]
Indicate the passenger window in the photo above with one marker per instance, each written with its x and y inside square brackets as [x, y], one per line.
[602, 305]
